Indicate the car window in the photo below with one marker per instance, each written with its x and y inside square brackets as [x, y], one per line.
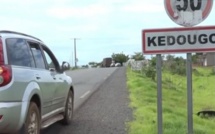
[37, 54]
[51, 60]
[18, 53]
[50, 63]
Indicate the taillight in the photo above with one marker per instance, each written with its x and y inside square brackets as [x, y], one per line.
[1, 117]
[1, 53]
[5, 75]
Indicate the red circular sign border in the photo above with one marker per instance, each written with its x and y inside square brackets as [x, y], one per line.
[169, 9]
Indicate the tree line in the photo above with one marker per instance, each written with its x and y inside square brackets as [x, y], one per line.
[119, 58]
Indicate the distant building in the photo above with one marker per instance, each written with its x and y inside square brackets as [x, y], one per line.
[209, 59]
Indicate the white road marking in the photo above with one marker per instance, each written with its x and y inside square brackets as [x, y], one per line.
[84, 95]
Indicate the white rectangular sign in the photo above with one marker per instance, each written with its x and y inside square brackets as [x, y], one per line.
[178, 40]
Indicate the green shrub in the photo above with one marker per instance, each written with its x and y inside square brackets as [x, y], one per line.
[213, 71]
[176, 65]
[150, 70]
[196, 72]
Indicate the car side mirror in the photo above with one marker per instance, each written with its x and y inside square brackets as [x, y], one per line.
[65, 66]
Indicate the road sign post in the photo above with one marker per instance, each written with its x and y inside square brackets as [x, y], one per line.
[189, 94]
[159, 93]
[186, 13]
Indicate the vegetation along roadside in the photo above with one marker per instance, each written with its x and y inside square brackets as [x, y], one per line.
[143, 95]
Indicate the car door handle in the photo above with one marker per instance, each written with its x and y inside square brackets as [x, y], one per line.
[37, 76]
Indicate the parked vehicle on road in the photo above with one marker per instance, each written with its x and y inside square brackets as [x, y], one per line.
[106, 62]
[35, 92]
[118, 65]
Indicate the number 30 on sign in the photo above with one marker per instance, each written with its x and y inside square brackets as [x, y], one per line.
[188, 12]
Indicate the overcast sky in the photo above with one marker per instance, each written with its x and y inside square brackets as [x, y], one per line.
[103, 26]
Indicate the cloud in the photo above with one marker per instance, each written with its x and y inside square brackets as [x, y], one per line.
[18, 24]
[65, 12]
[79, 28]
[34, 2]
[144, 6]
[21, 2]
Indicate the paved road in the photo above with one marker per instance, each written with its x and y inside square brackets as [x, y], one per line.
[106, 109]
[87, 81]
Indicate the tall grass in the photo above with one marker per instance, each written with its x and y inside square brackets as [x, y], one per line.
[143, 96]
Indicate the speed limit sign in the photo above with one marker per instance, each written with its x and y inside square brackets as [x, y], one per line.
[188, 12]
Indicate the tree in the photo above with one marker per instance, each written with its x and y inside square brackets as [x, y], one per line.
[196, 58]
[85, 66]
[120, 58]
[98, 64]
[176, 65]
[170, 57]
[138, 56]
[93, 64]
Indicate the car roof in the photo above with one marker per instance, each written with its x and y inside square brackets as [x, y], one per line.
[7, 33]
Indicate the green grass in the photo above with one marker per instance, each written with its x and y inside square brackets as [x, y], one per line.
[143, 96]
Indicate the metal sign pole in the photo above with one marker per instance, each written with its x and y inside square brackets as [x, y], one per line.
[189, 94]
[159, 94]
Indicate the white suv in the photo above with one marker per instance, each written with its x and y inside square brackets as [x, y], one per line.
[35, 92]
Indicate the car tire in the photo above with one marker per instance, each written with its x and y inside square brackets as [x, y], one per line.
[33, 120]
[68, 114]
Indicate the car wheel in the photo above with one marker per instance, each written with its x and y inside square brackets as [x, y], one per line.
[32, 124]
[68, 110]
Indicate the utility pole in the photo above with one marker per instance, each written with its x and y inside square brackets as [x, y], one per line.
[75, 53]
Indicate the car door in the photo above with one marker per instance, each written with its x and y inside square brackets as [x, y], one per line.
[43, 77]
[61, 89]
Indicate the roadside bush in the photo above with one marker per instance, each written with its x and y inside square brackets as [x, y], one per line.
[213, 71]
[176, 65]
[196, 72]
[180, 69]
[150, 70]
